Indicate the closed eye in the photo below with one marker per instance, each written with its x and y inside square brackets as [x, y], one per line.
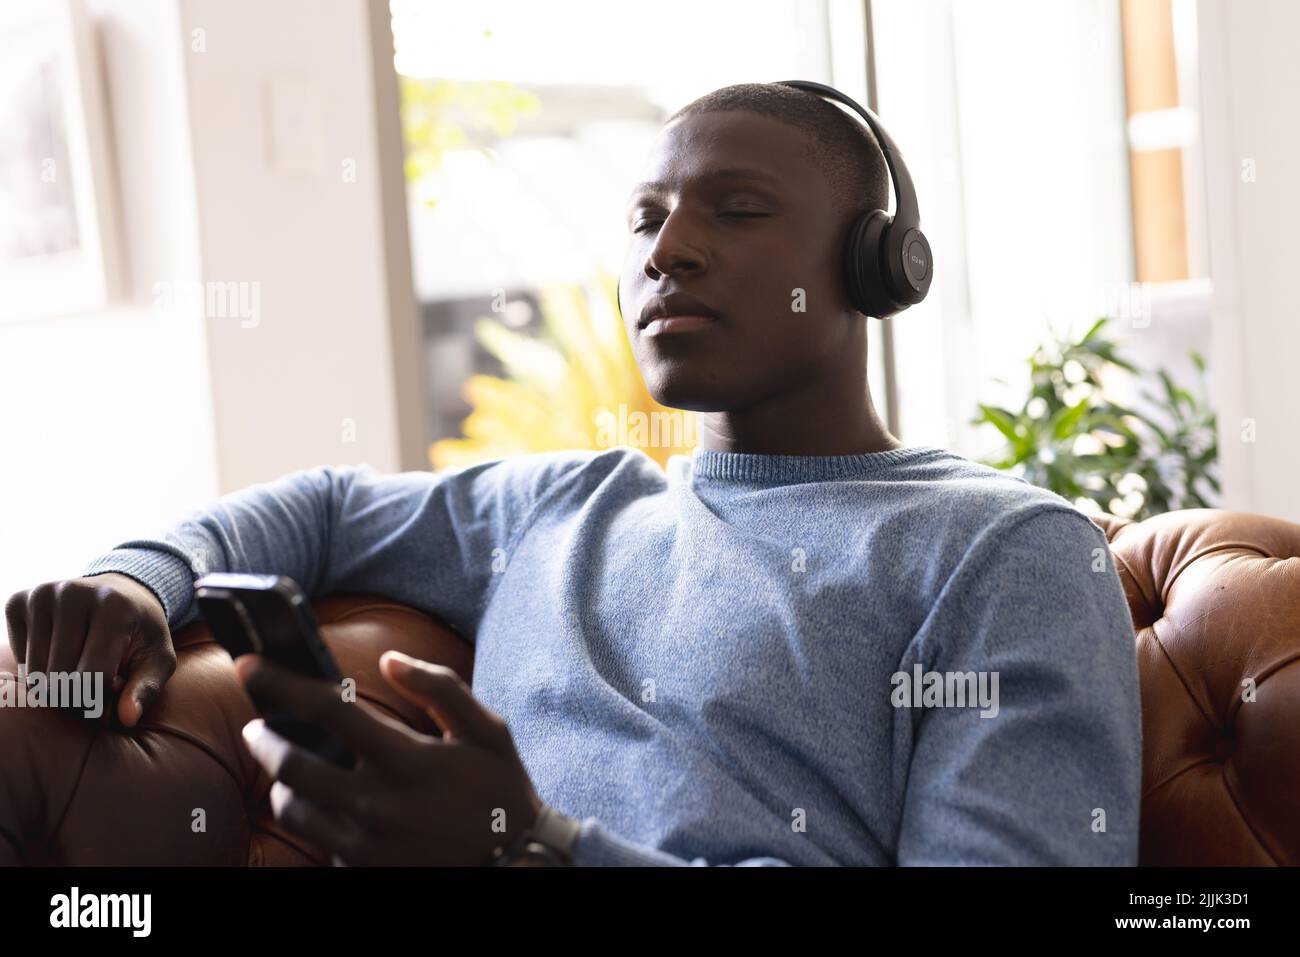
[647, 224]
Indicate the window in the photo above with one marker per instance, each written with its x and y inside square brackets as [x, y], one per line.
[1046, 190]
[551, 117]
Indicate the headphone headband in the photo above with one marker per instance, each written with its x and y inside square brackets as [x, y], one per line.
[905, 206]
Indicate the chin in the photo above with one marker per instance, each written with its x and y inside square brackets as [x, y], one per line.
[689, 392]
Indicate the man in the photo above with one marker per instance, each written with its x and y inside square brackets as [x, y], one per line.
[803, 644]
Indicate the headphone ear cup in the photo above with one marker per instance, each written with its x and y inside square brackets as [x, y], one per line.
[866, 283]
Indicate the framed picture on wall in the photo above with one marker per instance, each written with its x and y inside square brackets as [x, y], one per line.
[60, 251]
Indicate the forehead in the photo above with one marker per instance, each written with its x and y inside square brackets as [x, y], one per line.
[694, 148]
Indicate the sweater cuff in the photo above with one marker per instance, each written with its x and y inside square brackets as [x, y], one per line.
[597, 847]
[170, 578]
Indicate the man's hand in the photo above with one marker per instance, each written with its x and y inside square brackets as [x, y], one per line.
[412, 799]
[107, 623]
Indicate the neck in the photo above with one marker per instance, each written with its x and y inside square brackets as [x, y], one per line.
[830, 414]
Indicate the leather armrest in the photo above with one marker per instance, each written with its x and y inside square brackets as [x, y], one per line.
[181, 788]
[1215, 600]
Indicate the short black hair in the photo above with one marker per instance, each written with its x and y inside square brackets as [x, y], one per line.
[841, 144]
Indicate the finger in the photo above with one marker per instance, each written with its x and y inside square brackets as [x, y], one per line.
[68, 631]
[355, 725]
[145, 678]
[447, 698]
[39, 606]
[307, 774]
[16, 618]
[106, 641]
[314, 824]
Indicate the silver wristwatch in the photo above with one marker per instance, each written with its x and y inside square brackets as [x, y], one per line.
[548, 843]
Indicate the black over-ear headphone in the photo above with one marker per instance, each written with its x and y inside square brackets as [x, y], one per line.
[887, 263]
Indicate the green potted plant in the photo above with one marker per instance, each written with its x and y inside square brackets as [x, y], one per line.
[1070, 437]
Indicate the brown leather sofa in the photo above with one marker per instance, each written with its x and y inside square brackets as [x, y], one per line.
[1215, 598]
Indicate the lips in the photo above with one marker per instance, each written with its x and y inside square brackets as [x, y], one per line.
[665, 324]
[676, 312]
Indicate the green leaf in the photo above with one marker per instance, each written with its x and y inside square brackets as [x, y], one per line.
[1096, 326]
[1003, 421]
[1067, 421]
[1170, 390]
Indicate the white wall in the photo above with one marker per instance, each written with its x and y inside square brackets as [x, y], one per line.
[1249, 78]
[295, 211]
[116, 423]
[105, 419]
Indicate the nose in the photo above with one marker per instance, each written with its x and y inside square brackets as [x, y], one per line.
[675, 252]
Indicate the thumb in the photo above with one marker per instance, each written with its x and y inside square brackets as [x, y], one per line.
[442, 693]
[144, 686]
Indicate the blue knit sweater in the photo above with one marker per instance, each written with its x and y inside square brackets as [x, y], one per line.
[745, 659]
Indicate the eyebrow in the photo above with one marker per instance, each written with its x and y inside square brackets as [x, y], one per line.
[739, 173]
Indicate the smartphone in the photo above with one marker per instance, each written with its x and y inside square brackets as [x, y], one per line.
[270, 616]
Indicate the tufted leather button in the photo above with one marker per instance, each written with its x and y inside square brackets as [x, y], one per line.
[1223, 747]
